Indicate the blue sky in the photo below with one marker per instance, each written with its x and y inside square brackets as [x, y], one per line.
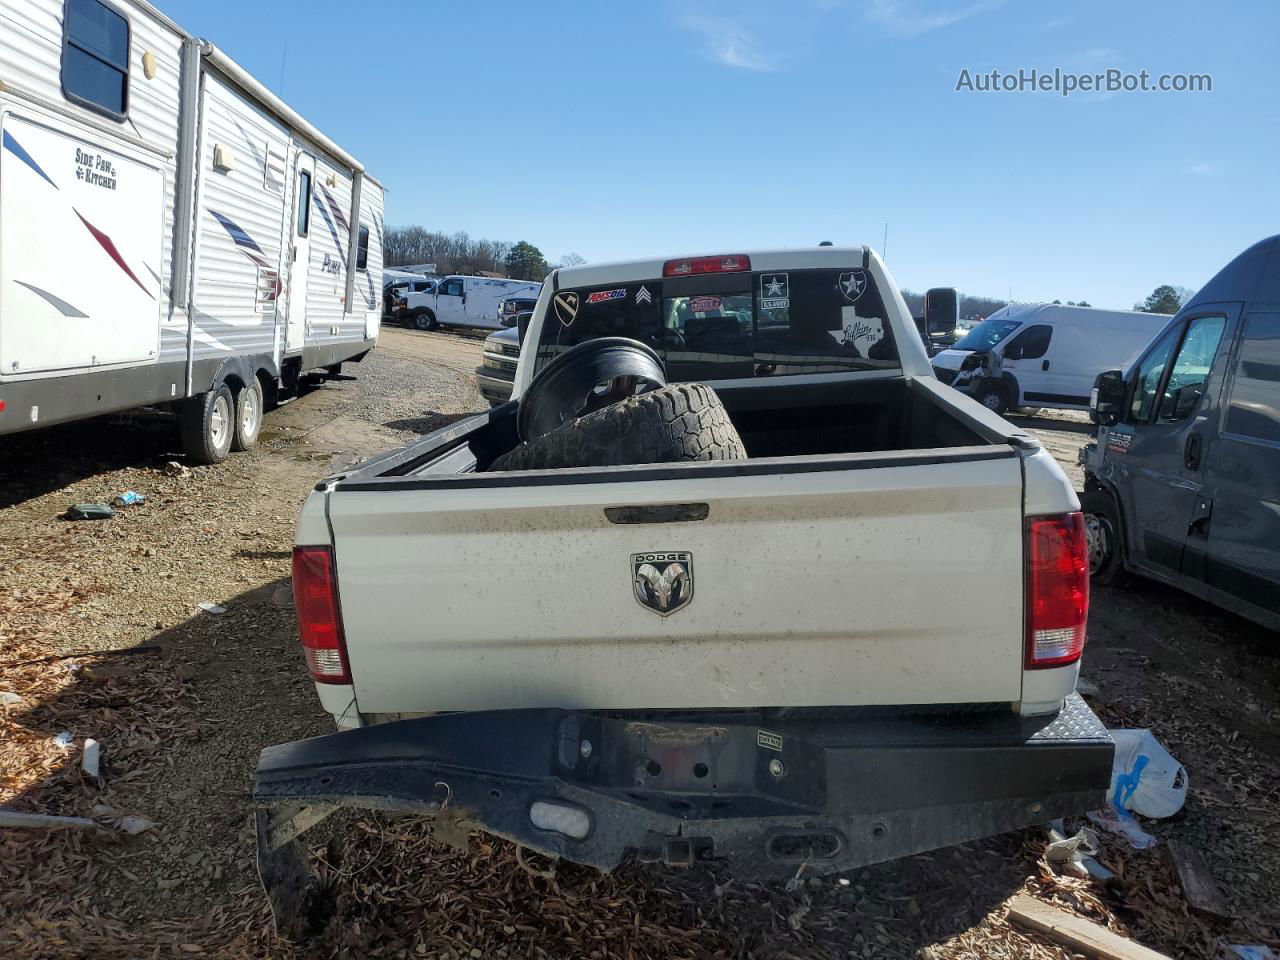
[616, 131]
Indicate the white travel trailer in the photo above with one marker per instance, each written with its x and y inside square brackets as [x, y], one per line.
[1043, 354]
[170, 231]
[458, 301]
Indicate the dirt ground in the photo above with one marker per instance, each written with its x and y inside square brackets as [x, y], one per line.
[102, 636]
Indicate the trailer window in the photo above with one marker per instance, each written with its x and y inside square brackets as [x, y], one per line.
[362, 248]
[304, 202]
[95, 57]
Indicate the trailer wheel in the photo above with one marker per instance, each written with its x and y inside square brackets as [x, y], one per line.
[1102, 532]
[208, 425]
[424, 319]
[683, 421]
[249, 408]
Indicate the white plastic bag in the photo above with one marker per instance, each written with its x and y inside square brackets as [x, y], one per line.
[1145, 778]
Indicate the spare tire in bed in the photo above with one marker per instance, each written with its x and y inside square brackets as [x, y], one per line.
[682, 421]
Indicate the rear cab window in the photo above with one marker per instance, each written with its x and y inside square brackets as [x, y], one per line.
[732, 325]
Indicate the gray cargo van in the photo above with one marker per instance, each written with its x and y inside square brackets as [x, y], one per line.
[1183, 484]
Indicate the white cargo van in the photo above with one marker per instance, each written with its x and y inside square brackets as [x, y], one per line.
[458, 301]
[1044, 354]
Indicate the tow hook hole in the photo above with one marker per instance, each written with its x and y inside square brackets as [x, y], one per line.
[326, 780]
[700, 770]
[653, 768]
[878, 831]
[496, 794]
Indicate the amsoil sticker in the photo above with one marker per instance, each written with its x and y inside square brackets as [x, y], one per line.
[704, 304]
[603, 296]
[862, 333]
[775, 291]
[566, 307]
[770, 741]
[852, 283]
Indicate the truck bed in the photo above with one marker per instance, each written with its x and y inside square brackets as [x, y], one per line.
[877, 514]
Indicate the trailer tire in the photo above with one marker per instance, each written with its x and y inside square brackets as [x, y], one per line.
[424, 319]
[1102, 531]
[207, 424]
[249, 408]
[683, 421]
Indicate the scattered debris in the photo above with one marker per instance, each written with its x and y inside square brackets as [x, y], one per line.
[134, 825]
[1087, 689]
[175, 469]
[1145, 778]
[1247, 951]
[1077, 933]
[129, 498]
[1075, 855]
[9, 699]
[208, 606]
[90, 756]
[89, 511]
[41, 821]
[1122, 822]
[1198, 886]
[63, 740]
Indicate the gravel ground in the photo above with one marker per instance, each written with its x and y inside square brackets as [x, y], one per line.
[183, 715]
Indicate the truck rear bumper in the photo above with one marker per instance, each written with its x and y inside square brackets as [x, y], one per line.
[767, 795]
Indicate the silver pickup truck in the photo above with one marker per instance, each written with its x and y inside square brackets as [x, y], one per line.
[859, 642]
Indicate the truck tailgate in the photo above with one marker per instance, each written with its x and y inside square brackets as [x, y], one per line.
[849, 580]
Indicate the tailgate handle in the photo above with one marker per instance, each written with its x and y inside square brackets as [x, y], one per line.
[658, 513]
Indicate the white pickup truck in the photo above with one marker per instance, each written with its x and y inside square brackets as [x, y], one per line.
[858, 643]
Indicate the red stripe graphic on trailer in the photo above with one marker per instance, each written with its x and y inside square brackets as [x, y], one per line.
[109, 245]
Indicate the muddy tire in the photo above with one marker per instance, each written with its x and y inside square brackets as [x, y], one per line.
[683, 421]
[249, 407]
[1102, 532]
[207, 425]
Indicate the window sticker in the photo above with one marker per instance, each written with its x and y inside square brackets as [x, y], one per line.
[704, 304]
[852, 283]
[862, 333]
[643, 296]
[566, 307]
[603, 296]
[774, 291]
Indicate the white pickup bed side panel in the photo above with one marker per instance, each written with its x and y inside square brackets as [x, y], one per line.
[877, 585]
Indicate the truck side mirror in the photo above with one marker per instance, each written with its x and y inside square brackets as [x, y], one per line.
[1106, 403]
[941, 310]
[522, 323]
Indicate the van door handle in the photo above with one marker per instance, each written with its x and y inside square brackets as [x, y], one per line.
[1191, 454]
[1045, 365]
[765, 369]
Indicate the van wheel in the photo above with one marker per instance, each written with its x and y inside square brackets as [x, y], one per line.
[683, 421]
[207, 423]
[994, 397]
[249, 407]
[1102, 534]
[424, 319]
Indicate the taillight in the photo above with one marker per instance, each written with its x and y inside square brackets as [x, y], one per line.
[315, 597]
[1057, 589]
[693, 266]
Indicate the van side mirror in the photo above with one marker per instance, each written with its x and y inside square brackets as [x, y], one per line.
[941, 310]
[1106, 403]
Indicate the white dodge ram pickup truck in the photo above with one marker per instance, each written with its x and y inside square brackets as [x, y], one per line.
[858, 643]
